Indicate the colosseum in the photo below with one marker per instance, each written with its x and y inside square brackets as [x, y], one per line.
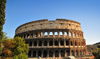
[53, 39]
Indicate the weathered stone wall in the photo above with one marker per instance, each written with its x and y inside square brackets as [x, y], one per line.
[45, 24]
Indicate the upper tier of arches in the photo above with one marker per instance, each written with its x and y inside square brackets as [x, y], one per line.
[45, 24]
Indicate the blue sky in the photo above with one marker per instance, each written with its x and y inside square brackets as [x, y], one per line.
[87, 12]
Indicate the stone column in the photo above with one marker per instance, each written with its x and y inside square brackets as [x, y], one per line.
[38, 34]
[70, 52]
[32, 43]
[75, 52]
[79, 52]
[53, 34]
[59, 43]
[25, 36]
[47, 53]
[63, 33]
[53, 53]
[41, 53]
[68, 33]
[37, 43]
[64, 43]
[65, 54]
[42, 43]
[59, 53]
[53, 42]
[58, 34]
[48, 43]
[36, 53]
[43, 34]
[48, 34]
[31, 53]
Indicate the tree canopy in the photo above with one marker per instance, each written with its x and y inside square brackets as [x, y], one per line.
[96, 54]
[15, 48]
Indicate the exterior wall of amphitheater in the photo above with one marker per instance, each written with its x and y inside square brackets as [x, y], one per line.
[59, 38]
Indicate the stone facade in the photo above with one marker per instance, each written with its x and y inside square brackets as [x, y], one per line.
[53, 39]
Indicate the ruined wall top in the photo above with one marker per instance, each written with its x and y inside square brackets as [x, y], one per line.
[46, 24]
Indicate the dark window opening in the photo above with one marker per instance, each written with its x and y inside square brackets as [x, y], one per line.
[62, 53]
[41, 24]
[50, 43]
[45, 54]
[50, 23]
[39, 53]
[40, 43]
[45, 43]
[50, 53]
[72, 53]
[61, 43]
[35, 43]
[60, 23]
[56, 43]
[30, 44]
[36, 35]
[56, 54]
[29, 54]
[68, 53]
[34, 53]
[69, 24]
[67, 42]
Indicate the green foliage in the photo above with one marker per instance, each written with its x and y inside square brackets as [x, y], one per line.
[96, 54]
[2, 19]
[15, 48]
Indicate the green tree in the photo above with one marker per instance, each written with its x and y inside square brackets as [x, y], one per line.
[96, 54]
[15, 48]
[2, 19]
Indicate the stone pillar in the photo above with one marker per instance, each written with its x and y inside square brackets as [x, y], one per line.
[26, 36]
[53, 53]
[48, 43]
[65, 54]
[59, 53]
[42, 43]
[47, 53]
[58, 34]
[48, 34]
[41, 53]
[53, 34]
[63, 33]
[64, 42]
[70, 52]
[36, 53]
[75, 52]
[79, 52]
[59, 43]
[31, 53]
[37, 43]
[53, 42]
[68, 33]
[43, 34]
[32, 43]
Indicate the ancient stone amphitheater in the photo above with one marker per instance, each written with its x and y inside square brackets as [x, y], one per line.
[53, 39]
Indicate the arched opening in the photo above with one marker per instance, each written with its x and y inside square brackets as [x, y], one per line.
[39, 53]
[50, 53]
[45, 43]
[29, 54]
[35, 43]
[76, 35]
[28, 36]
[71, 43]
[70, 33]
[46, 34]
[26, 42]
[36, 35]
[65, 33]
[72, 53]
[56, 54]
[51, 34]
[68, 53]
[34, 53]
[61, 42]
[62, 53]
[30, 44]
[45, 54]
[56, 43]
[75, 43]
[40, 43]
[50, 43]
[76, 53]
[31, 34]
[73, 34]
[56, 34]
[61, 33]
[67, 42]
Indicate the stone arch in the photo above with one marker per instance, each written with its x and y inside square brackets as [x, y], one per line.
[56, 43]
[68, 53]
[29, 54]
[45, 43]
[75, 43]
[71, 42]
[66, 33]
[40, 43]
[39, 53]
[67, 42]
[35, 43]
[45, 54]
[62, 53]
[30, 43]
[34, 53]
[72, 52]
[62, 42]
[50, 53]
[56, 53]
[50, 43]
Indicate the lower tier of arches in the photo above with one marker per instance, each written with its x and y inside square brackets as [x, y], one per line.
[55, 53]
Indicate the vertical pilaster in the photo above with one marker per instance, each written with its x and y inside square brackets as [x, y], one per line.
[53, 53]
[68, 33]
[53, 34]
[37, 43]
[58, 34]
[48, 34]
[64, 43]
[63, 33]
[36, 53]
[65, 54]
[42, 53]
[48, 43]
[31, 53]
